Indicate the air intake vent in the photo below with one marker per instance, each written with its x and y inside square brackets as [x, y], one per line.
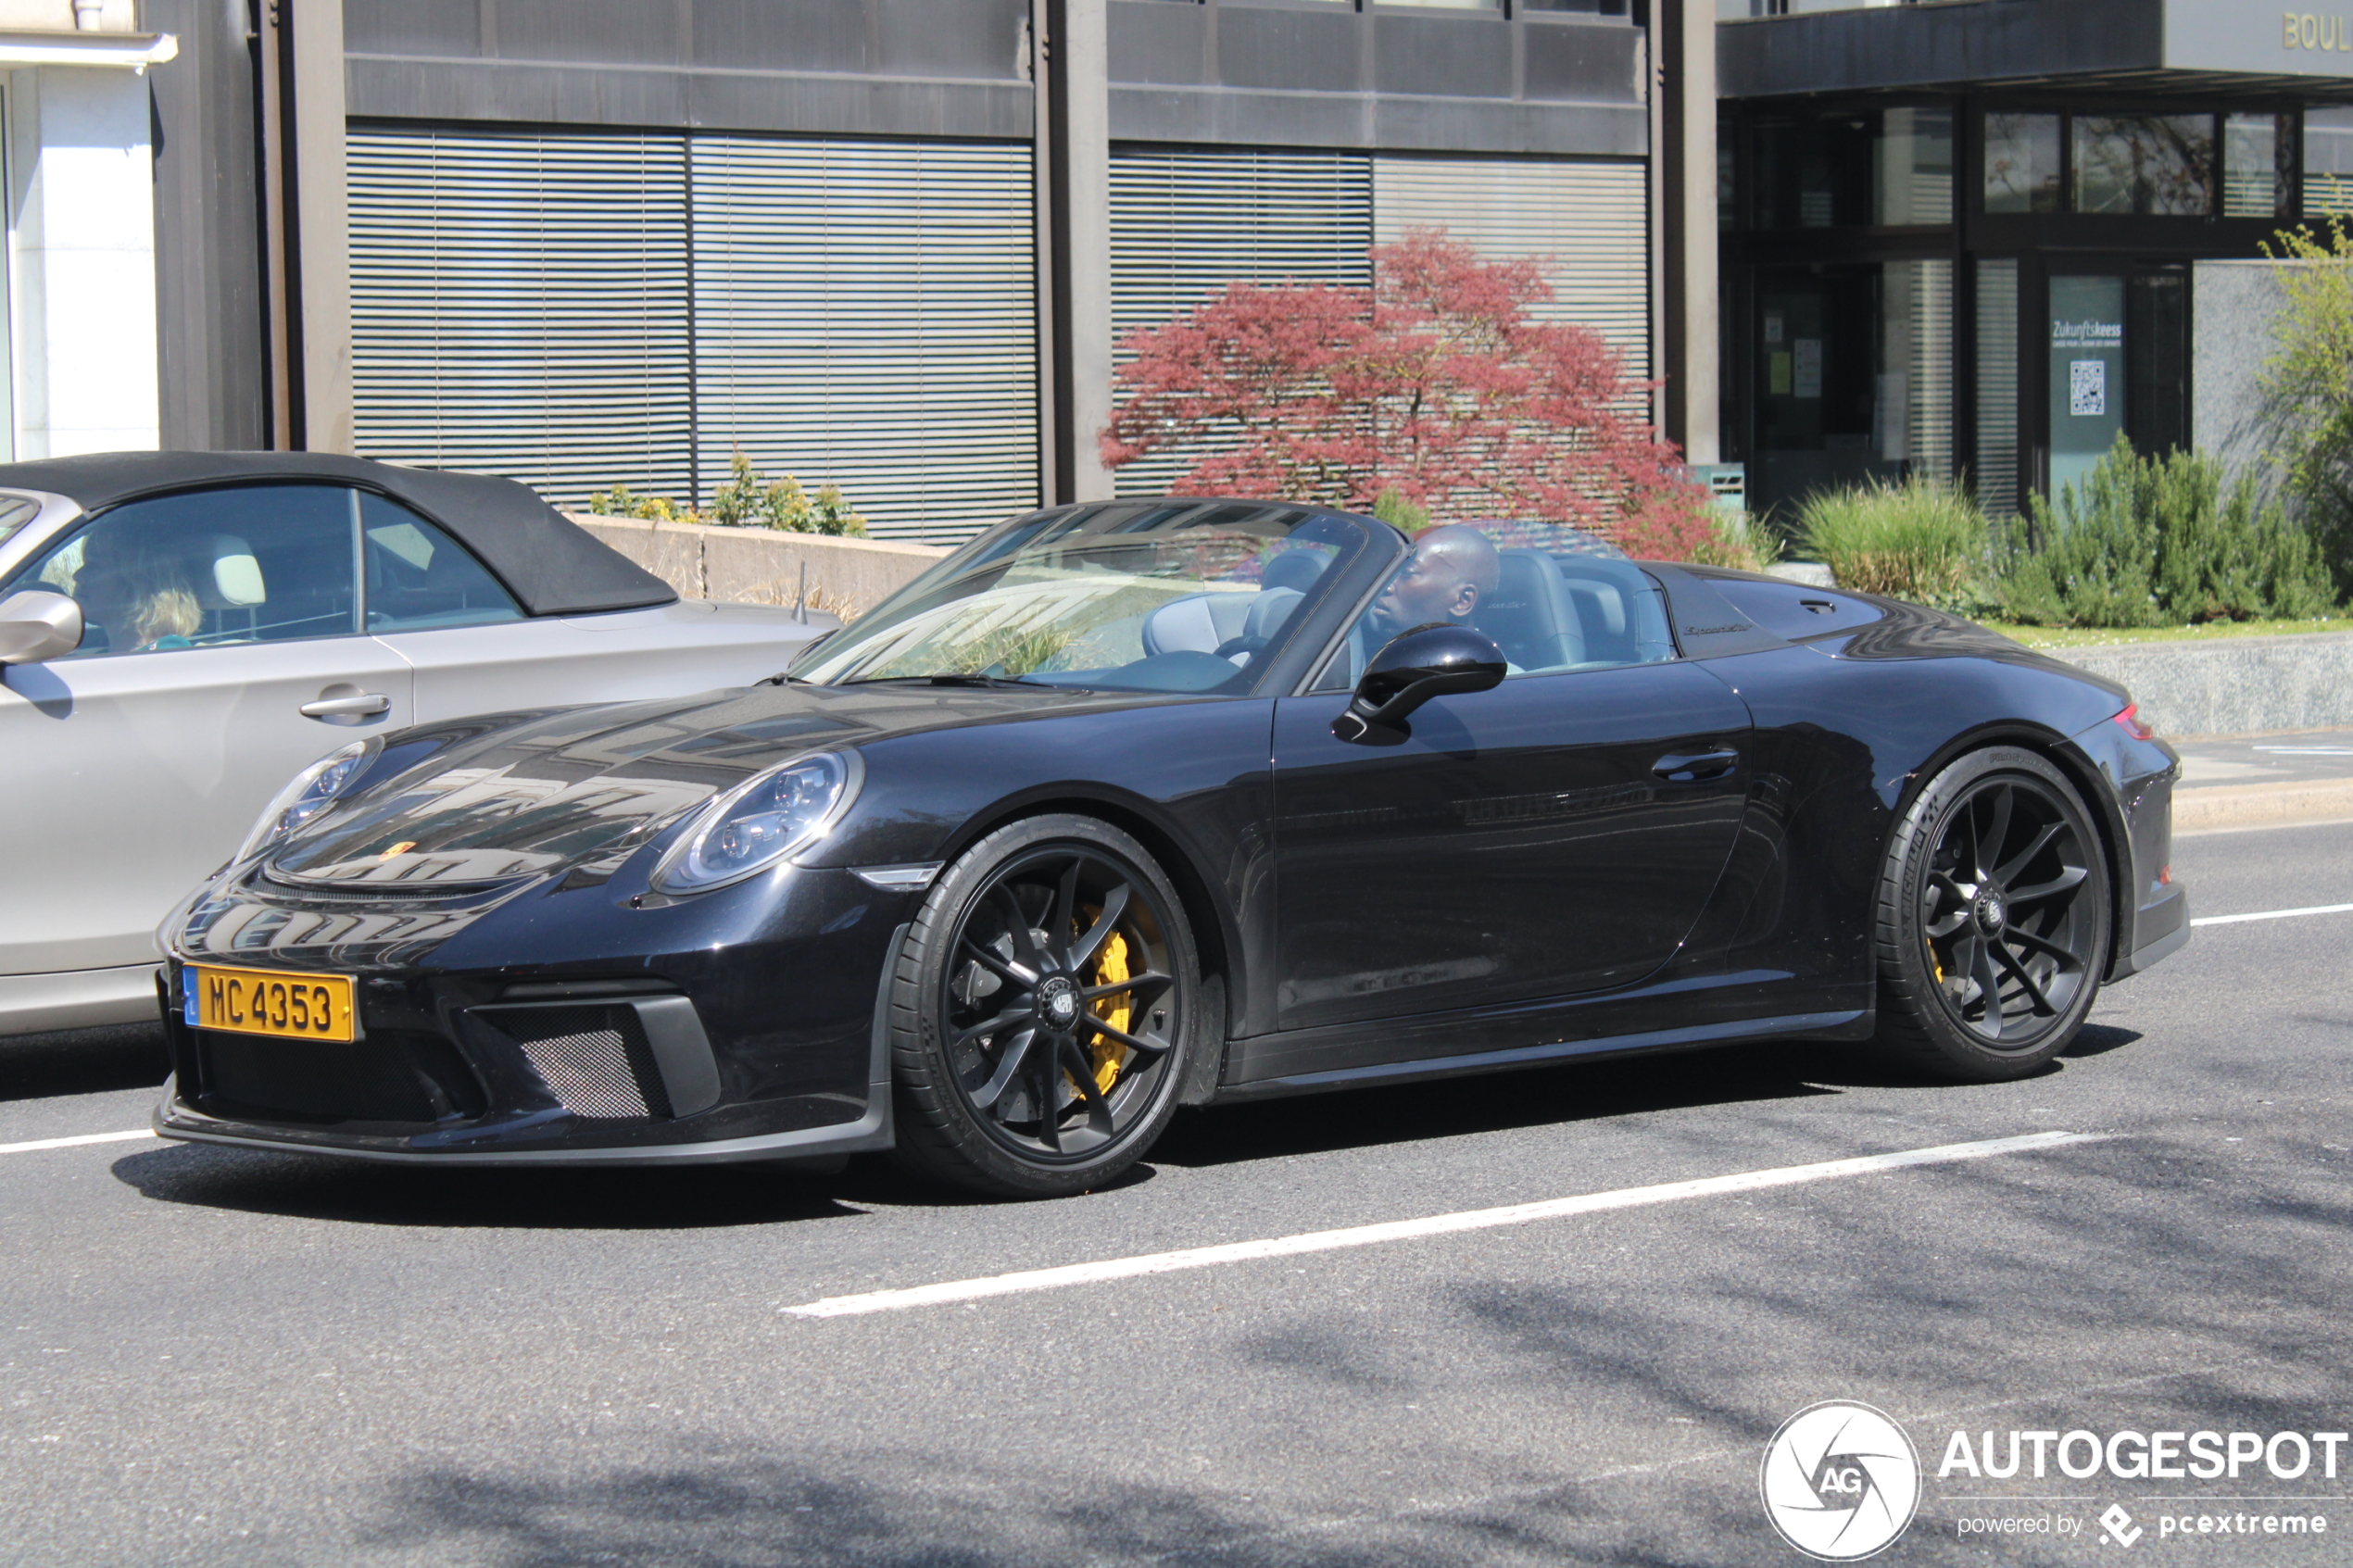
[593, 1058]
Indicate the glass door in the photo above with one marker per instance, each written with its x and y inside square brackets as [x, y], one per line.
[2119, 363]
[2086, 395]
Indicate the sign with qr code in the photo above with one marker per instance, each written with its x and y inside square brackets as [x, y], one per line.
[2087, 388]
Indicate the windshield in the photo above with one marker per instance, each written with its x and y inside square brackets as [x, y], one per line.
[1139, 596]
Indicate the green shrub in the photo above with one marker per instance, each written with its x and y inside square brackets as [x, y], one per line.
[614, 502]
[1741, 540]
[2308, 386]
[745, 501]
[1392, 509]
[2155, 542]
[1922, 540]
[621, 501]
[832, 514]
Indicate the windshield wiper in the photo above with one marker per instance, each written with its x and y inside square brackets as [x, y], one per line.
[969, 680]
[958, 678]
[782, 680]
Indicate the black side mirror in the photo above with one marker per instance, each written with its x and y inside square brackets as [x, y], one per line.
[1415, 666]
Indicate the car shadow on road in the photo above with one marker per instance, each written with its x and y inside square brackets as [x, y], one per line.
[310, 1186]
[1499, 1102]
[713, 1196]
[1574, 1091]
[83, 1061]
[2098, 1040]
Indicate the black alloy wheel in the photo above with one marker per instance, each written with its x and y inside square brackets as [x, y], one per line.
[1993, 919]
[1041, 1012]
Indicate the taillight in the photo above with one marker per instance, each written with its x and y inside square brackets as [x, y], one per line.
[2131, 719]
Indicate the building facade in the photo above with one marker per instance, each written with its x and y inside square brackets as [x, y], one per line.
[895, 244]
[1980, 240]
[891, 245]
[79, 174]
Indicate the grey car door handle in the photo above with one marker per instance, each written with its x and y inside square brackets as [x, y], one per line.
[365, 706]
[1700, 765]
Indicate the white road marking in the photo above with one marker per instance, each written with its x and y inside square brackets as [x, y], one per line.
[39, 1144]
[1407, 1230]
[2274, 914]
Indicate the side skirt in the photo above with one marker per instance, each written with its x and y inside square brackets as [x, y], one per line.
[1849, 1024]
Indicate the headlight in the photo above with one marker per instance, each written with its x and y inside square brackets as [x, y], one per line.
[760, 822]
[312, 790]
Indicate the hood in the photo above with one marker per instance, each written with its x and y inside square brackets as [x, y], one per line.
[540, 793]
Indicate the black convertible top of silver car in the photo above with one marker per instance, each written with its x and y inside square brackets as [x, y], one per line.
[551, 566]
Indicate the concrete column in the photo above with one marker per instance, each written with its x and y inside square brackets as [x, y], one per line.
[1686, 43]
[318, 221]
[1076, 84]
[209, 298]
[82, 234]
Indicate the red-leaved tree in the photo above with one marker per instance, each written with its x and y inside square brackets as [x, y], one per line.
[1435, 381]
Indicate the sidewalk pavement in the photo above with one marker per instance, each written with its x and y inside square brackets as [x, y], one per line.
[2264, 781]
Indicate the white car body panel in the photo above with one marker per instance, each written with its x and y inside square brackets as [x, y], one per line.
[129, 780]
[619, 656]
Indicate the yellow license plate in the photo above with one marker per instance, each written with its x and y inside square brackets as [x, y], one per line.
[262, 1001]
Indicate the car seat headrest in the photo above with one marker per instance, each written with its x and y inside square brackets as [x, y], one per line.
[234, 580]
[1527, 614]
[1268, 611]
[1295, 568]
[1603, 604]
[1195, 624]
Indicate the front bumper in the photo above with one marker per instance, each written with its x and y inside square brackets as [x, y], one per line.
[2152, 910]
[175, 1118]
[579, 1080]
[756, 1038]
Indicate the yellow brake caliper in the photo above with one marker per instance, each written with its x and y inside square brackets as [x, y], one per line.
[1111, 968]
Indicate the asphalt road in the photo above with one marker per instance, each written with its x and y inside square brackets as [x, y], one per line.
[2269, 759]
[215, 1356]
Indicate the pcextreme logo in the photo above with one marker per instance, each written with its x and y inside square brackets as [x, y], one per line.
[1840, 1481]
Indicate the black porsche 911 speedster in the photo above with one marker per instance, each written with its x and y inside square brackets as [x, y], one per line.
[1128, 806]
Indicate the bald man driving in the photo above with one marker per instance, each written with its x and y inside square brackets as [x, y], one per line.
[1451, 571]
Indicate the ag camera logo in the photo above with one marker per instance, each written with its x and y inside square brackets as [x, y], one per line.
[1839, 1480]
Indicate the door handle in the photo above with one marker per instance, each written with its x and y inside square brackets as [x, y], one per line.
[365, 706]
[1696, 766]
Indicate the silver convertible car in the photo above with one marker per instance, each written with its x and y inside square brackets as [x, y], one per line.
[180, 632]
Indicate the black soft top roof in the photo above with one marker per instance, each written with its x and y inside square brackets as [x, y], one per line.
[550, 564]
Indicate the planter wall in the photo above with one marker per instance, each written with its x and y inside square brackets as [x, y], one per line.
[762, 565]
[2233, 686]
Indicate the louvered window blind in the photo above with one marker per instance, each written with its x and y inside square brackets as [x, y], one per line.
[867, 312]
[1588, 220]
[519, 307]
[580, 311]
[1185, 222]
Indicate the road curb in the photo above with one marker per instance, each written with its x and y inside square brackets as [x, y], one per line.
[2215, 807]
